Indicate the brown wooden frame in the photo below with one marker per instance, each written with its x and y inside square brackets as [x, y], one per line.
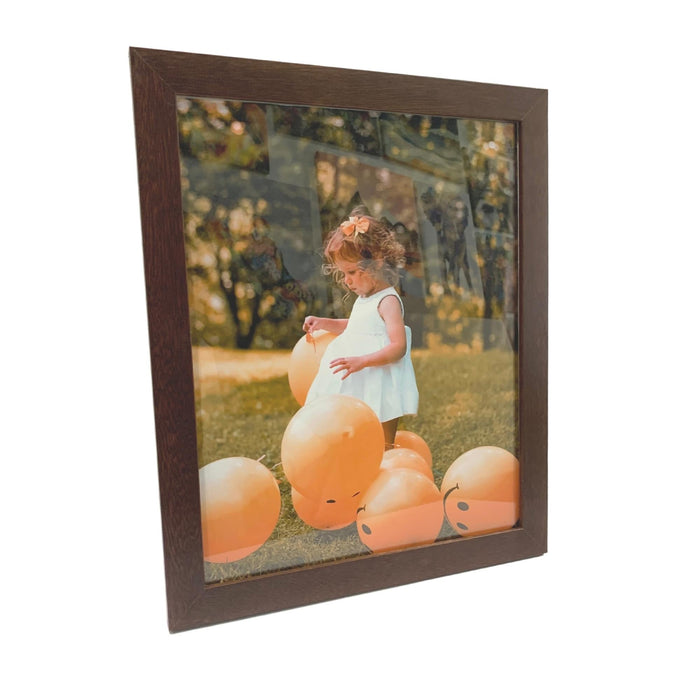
[157, 77]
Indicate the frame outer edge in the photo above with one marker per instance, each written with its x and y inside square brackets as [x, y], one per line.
[157, 77]
[203, 75]
[168, 314]
[534, 318]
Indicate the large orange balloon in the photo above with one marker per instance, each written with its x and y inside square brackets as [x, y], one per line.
[332, 448]
[240, 503]
[305, 361]
[481, 491]
[325, 515]
[405, 438]
[403, 458]
[401, 508]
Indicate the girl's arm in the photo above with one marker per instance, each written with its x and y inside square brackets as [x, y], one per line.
[390, 311]
[332, 325]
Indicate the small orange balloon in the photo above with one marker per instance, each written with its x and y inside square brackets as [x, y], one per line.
[240, 504]
[325, 515]
[481, 491]
[332, 448]
[405, 438]
[304, 362]
[402, 508]
[403, 458]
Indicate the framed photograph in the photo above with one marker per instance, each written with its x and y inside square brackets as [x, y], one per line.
[346, 276]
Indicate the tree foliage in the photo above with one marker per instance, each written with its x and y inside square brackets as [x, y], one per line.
[261, 184]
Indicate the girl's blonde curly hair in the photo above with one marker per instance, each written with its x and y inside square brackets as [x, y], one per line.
[368, 242]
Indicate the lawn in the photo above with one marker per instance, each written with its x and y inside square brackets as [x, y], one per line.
[466, 400]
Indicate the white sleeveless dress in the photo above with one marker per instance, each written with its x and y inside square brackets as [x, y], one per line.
[390, 390]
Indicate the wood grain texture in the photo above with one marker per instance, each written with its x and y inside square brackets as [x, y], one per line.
[533, 307]
[158, 77]
[169, 334]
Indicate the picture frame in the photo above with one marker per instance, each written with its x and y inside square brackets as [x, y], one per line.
[159, 78]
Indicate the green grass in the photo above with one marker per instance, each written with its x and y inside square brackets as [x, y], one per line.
[466, 400]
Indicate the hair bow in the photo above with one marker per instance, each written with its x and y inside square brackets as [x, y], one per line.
[355, 225]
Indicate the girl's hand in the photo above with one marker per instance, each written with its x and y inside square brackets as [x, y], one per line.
[312, 323]
[332, 325]
[349, 365]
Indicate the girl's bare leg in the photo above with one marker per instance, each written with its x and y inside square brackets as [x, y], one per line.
[390, 432]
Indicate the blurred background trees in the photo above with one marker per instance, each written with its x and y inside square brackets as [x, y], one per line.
[263, 184]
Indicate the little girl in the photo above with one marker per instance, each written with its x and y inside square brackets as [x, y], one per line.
[370, 358]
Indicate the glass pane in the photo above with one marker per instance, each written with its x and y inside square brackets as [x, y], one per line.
[303, 462]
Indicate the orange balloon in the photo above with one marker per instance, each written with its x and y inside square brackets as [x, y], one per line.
[325, 515]
[403, 458]
[401, 508]
[405, 438]
[305, 361]
[481, 491]
[240, 503]
[332, 448]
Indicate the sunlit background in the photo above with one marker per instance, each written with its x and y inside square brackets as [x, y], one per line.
[263, 184]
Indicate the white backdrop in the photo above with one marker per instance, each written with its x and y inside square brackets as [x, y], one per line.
[610, 611]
